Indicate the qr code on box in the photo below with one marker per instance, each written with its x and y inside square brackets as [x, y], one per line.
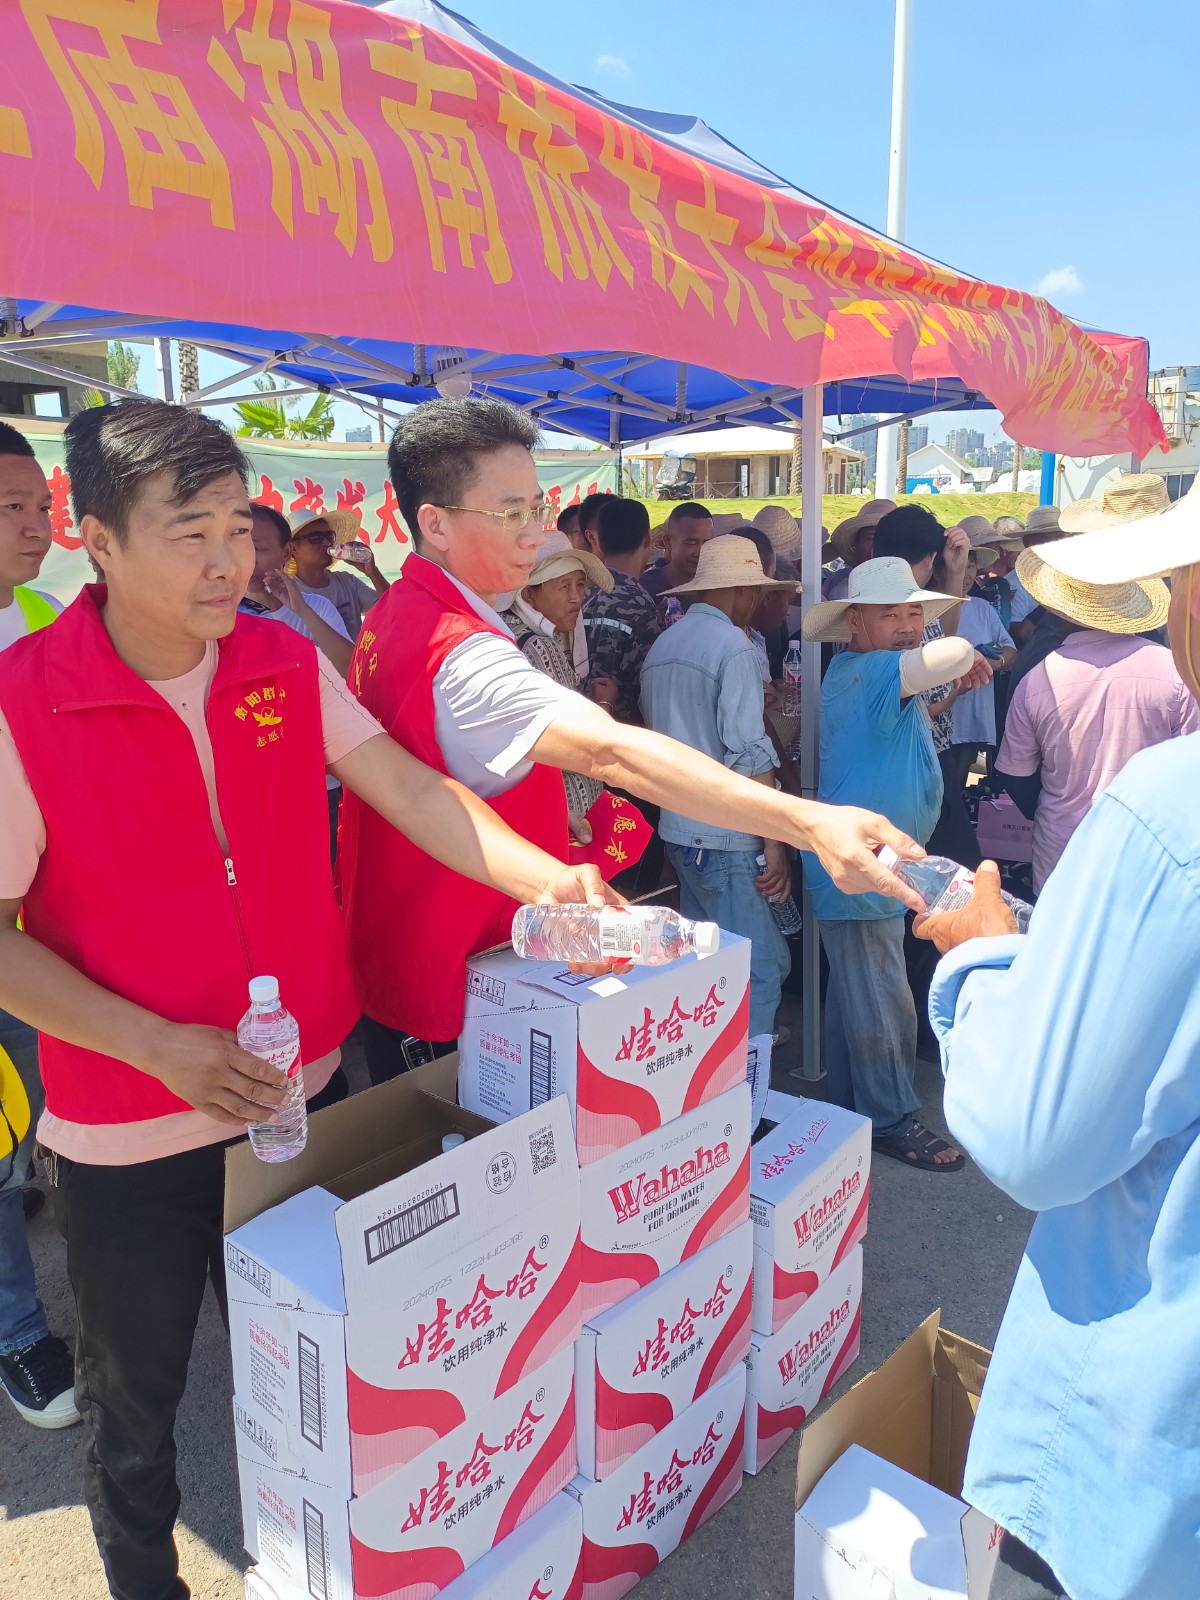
[541, 1150]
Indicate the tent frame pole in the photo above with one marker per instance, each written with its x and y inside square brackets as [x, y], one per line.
[812, 469]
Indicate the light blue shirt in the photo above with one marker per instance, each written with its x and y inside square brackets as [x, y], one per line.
[1072, 1061]
[876, 751]
[702, 684]
[973, 715]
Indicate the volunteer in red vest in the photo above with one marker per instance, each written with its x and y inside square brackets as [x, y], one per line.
[163, 828]
[439, 668]
[35, 1365]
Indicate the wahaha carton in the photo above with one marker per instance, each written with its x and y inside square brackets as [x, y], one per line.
[542, 1560]
[661, 1495]
[660, 1201]
[644, 1362]
[809, 1189]
[791, 1372]
[630, 1053]
[418, 1530]
[363, 1329]
[257, 1587]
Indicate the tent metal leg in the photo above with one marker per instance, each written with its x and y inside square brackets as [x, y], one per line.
[811, 472]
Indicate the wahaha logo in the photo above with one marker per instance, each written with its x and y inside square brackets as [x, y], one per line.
[648, 1189]
[802, 1353]
[782, 1159]
[815, 1218]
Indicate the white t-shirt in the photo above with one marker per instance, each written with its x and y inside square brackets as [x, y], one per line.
[12, 619]
[491, 706]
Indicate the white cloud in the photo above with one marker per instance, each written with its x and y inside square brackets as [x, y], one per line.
[616, 65]
[1058, 283]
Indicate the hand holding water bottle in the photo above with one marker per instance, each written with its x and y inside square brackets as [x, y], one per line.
[985, 916]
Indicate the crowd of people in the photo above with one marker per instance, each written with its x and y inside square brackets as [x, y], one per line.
[452, 744]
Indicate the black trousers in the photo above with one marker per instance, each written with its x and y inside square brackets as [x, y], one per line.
[142, 1243]
[384, 1050]
[1021, 1575]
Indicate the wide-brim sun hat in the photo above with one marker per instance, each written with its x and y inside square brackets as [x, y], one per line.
[885, 581]
[979, 530]
[1131, 498]
[344, 525]
[1129, 607]
[984, 557]
[1041, 521]
[730, 562]
[1130, 551]
[869, 516]
[558, 556]
[726, 521]
[781, 527]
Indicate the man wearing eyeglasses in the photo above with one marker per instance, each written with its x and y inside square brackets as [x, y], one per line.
[315, 535]
[437, 666]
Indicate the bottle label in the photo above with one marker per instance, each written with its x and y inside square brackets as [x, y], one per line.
[620, 935]
[957, 892]
[285, 1056]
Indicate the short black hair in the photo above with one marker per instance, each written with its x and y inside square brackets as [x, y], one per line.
[622, 526]
[280, 523]
[567, 516]
[910, 532]
[13, 442]
[112, 450]
[432, 456]
[690, 510]
[589, 510]
[766, 550]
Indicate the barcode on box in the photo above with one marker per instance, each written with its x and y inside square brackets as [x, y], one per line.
[312, 1409]
[254, 1273]
[314, 1552]
[541, 1150]
[539, 1067]
[411, 1224]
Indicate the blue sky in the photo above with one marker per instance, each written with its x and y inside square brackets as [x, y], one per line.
[1051, 144]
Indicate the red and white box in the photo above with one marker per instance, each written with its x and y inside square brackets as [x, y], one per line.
[364, 1331]
[630, 1053]
[641, 1364]
[542, 1560]
[810, 1182]
[661, 1495]
[792, 1371]
[660, 1201]
[413, 1534]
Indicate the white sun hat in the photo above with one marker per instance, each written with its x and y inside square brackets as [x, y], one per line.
[344, 525]
[558, 556]
[729, 562]
[886, 581]
[1126, 549]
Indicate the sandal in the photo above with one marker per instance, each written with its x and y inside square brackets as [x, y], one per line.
[918, 1148]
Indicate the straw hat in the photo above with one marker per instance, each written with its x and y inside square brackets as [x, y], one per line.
[781, 527]
[984, 556]
[344, 525]
[558, 556]
[728, 562]
[657, 534]
[1111, 607]
[1130, 499]
[886, 581]
[1042, 520]
[726, 521]
[1161, 543]
[870, 516]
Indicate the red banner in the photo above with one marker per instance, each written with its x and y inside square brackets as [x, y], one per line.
[324, 167]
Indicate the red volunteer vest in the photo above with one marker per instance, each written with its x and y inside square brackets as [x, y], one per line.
[413, 922]
[134, 888]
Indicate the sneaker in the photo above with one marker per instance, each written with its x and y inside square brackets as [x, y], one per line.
[40, 1382]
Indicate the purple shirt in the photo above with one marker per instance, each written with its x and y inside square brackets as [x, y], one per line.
[1079, 716]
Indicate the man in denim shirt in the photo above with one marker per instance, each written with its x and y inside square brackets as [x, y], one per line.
[702, 684]
[1072, 1062]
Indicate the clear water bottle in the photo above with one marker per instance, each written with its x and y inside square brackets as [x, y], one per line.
[945, 886]
[649, 936]
[787, 912]
[791, 680]
[355, 552]
[672, 612]
[270, 1032]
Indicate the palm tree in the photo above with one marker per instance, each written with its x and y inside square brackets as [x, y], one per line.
[189, 368]
[275, 418]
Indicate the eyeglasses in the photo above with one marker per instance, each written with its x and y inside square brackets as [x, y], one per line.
[314, 538]
[512, 520]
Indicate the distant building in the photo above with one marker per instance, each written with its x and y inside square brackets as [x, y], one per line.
[733, 463]
[918, 436]
[868, 443]
[359, 435]
[937, 465]
[25, 393]
[964, 442]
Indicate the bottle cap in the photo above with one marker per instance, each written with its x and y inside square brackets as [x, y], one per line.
[887, 857]
[264, 989]
[706, 937]
[451, 1141]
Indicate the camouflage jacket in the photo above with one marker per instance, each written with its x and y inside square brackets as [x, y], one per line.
[621, 627]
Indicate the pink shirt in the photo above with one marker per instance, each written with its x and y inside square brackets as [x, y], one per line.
[1079, 716]
[345, 725]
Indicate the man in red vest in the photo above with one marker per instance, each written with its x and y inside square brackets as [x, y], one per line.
[442, 673]
[163, 830]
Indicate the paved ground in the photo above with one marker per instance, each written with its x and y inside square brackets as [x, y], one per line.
[934, 1240]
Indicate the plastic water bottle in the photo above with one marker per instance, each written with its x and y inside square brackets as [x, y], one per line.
[355, 552]
[791, 680]
[270, 1032]
[787, 912]
[945, 886]
[649, 936]
[672, 612]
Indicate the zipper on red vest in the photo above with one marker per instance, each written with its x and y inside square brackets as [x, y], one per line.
[231, 880]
